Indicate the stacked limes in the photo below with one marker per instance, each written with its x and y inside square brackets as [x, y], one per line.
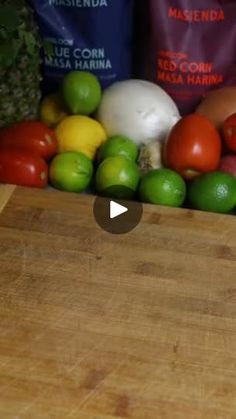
[117, 174]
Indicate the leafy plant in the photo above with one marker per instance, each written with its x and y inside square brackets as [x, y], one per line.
[15, 34]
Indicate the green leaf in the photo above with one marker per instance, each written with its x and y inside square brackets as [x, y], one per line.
[15, 33]
[16, 45]
[8, 17]
[30, 42]
[3, 33]
[7, 55]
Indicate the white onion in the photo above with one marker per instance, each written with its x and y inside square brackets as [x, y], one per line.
[138, 109]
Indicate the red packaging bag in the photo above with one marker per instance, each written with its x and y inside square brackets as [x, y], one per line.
[192, 48]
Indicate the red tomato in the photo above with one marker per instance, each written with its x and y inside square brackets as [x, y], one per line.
[229, 132]
[193, 146]
[22, 167]
[33, 135]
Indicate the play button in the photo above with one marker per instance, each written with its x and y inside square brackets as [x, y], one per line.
[115, 214]
[116, 209]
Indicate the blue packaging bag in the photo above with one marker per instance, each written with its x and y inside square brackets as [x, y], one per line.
[89, 35]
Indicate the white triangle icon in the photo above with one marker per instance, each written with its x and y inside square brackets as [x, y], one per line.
[116, 209]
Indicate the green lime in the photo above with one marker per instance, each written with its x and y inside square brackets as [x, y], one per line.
[71, 171]
[163, 187]
[118, 146]
[215, 192]
[82, 92]
[117, 171]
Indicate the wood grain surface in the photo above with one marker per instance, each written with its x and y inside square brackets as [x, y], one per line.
[5, 193]
[96, 326]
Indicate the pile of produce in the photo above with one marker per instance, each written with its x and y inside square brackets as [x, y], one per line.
[129, 135]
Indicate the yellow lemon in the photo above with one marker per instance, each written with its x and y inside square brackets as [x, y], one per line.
[52, 110]
[80, 133]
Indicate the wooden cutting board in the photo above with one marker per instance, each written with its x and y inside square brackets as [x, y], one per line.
[97, 326]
